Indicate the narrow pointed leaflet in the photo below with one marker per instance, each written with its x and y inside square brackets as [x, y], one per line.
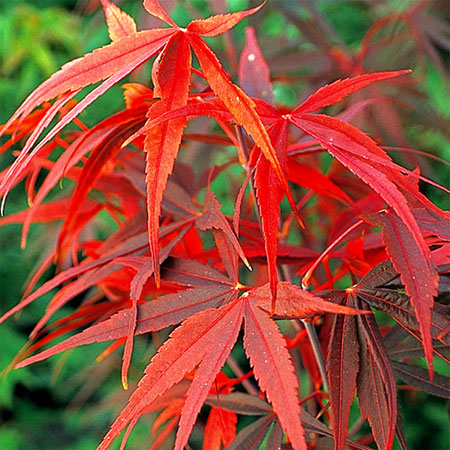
[110, 63]
[163, 141]
[342, 370]
[154, 8]
[273, 368]
[269, 194]
[120, 24]
[209, 288]
[333, 93]
[418, 273]
[215, 25]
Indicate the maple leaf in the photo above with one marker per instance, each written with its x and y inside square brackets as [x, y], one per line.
[359, 153]
[252, 436]
[172, 81]
[206, 339]
[185, 349]
[376, 384]
[339, 89]
[110, 63]
[273, 369]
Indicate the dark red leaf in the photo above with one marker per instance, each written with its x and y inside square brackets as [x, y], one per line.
[377, 394]
[152, 316]
[252, 436]
[240, 403]
[342, 368]
[254, 73]
[418, 377]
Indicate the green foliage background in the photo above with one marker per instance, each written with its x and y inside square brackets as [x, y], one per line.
[68, 402]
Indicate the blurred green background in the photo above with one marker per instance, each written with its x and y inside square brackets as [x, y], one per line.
[68, 402]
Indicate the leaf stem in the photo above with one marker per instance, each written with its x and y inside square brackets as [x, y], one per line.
[317, 350]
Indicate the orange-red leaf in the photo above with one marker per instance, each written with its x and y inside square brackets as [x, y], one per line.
[91, 172]
[269, 194]
[102, 63]
[215, 25]
[162, 142]
[354, 149]
[120, 24]
[212, 218]
[112, 62]
[315, 180]
[333, 93]
[295, 302]
[220, 429]
[154, 8]
[417, 271]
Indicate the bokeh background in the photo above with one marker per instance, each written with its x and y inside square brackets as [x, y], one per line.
[69, 401]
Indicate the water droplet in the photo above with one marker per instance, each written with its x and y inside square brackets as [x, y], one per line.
[237, 99]
[251, 57]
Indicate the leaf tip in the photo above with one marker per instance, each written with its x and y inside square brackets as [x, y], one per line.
[125, 382]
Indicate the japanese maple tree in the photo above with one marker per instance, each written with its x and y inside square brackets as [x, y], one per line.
[293, 285]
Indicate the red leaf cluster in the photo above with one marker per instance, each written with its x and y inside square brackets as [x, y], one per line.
[164, 264]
